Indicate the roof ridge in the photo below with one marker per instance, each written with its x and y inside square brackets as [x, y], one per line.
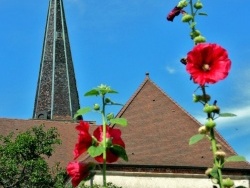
[133, 96]
[176, 103]
[38, 120]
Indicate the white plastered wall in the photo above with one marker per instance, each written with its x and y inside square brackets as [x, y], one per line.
[163, 180]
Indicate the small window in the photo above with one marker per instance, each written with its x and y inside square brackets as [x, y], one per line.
[43, 115]
[59, 35]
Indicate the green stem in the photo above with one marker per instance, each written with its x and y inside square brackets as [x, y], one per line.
[192, 13]
[213, 144]
[209, 115]
[104, 142]
[216, 160]
[220, 178]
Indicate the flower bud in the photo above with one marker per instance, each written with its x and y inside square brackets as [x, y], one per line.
[205, 98]
[107, 100]
[96, 107]
[196, 98]
[194, 34]
[198, 5]
[228, 183]
[214, 180]
[220, 154]
[110, 116]
[203, 130]
[210, 123]
[218, 146]
[208, 171]
[186, 18]
[208, 108]
[182, 4]
[216, 110]
[199, 39]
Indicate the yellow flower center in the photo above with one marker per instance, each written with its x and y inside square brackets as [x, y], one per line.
[206, 67]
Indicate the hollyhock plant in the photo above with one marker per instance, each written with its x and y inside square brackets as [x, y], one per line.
[84, 139]
[78, 171]
[106, 145]
[208, 63]
[113, 137]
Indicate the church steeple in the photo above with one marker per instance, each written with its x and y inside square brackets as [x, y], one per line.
[56, 95]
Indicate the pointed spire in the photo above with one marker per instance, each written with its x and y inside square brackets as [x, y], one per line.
[56, 95]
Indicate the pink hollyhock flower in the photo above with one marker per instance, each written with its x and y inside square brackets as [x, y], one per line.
[175, 12]
[84, 139]
[208, 63]
[78, 171]
[114, 135]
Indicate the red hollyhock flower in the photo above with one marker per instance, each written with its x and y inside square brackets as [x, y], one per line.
[78, 171]
[84, 139]
[115, 136]
[208, 63]
[175, 12]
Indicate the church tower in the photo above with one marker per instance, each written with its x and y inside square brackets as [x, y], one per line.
[56, 95]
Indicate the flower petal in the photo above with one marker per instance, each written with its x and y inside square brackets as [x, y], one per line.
[78, 171]
[115, 136]
[175, 12]
[213, 56]
[84, 139]
[83, 126]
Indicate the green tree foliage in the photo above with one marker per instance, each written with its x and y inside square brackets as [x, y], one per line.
[22, 159]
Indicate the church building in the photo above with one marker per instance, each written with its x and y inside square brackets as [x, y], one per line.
[158, 128]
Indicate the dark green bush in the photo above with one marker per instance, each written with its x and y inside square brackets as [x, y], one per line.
[22, 159]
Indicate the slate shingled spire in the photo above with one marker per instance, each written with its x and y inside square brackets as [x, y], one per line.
[56, 95]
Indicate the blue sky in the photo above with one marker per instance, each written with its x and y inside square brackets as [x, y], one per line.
[116, 42]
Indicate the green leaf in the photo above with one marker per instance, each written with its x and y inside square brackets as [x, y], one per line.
[214, 173]
[95, 151]
[114, 103]
[119, 151]
[120, 121]
[93, 92]
[99, 91]
[202, 14]
[227, 115]
[196, 138]
[112, 91]
[104, 91]
[235, 158]
[82, 111]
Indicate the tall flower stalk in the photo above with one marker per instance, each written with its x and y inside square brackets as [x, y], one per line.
[106, 144]
[207, 64]
[104, 123]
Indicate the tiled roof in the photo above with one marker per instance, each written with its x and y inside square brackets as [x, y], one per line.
[157, 134]
[68, 135]
[159, 129]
